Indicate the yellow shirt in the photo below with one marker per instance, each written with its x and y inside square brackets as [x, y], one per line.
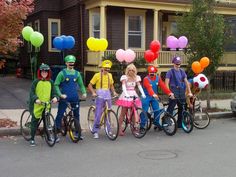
[97, 80]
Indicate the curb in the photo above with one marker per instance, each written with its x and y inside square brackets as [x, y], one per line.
[14, 131]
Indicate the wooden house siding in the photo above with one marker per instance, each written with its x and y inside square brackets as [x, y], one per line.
[149, 27]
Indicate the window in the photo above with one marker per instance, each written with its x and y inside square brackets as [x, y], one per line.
[95, 23]
[29, 45]
[37, 26]
[54, 30]
[135, 29]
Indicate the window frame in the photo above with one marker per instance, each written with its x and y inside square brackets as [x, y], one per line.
[29, 45]
[50, 21]
[91, 22]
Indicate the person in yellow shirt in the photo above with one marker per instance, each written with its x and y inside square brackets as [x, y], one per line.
[103, 82]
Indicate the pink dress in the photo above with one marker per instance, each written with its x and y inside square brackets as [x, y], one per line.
[130, 87]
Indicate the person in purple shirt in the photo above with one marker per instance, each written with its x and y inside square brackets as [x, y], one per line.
[176, 81]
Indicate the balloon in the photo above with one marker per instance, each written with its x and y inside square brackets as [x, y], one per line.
[204, 61]
[103, 44]
[58, 43]
[196, 67]
[26, 32]
[36, 39]
[156, 55]
[149, 56]
[120, 55]
[155, 46]
[68, 42]
[129, 55]
[90, 43]
[172, 42]
[200, 81]
[182, 42]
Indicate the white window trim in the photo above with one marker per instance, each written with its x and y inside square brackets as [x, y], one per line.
[35, 22]
[135, 12]
[50, 20]
[91, 12]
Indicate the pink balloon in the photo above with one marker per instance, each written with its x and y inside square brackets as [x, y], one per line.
[172, 42]
[182, 42]
[120, 55]
[129, 56]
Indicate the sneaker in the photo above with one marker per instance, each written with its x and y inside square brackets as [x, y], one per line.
[111, 134]
[80, 138]
[32, 143]
[157, 128]
[95, 136]
[57, 139]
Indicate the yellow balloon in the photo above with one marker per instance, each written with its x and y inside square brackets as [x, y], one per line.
[96, 45]
[90, 43]
[103, 44]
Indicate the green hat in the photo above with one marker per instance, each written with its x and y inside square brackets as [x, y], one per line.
[70, 58]
[44, 67]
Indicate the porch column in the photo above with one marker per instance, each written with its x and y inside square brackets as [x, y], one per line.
[155, 25]
[102, 22]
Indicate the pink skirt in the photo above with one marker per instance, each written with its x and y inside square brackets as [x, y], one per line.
[129, 103]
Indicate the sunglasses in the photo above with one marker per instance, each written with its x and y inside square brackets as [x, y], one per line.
[177, 64]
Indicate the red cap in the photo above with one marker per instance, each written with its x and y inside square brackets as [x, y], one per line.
[152, 69]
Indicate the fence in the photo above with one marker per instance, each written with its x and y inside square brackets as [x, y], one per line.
[224, 81]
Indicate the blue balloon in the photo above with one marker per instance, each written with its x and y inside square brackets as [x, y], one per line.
[58, 43]
[69, 42]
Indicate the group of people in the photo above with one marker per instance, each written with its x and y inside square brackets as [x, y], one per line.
[69, 81]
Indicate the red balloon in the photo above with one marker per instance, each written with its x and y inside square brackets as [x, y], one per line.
[155, 46]
[156, 55]
[149, 56]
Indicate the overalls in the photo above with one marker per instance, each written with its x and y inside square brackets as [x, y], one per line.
[69, 87]
[151, 101]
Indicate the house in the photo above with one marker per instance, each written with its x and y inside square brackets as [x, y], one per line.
[124, 23]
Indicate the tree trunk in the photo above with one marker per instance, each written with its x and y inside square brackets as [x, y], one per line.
[208, 94]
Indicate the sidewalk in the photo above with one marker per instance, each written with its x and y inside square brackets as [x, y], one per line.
[14, 94]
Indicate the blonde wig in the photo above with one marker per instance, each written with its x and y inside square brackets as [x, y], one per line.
[131, 74]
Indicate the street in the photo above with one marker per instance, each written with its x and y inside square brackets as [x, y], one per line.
[206, 153]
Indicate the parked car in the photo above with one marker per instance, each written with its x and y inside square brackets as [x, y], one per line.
[233, 105]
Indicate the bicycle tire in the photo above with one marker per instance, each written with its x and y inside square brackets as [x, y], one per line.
[111, 125]
[91, 117]
[64, 125]
[25, 124]
[169, 124]
[201, 119]
[125, 120]
[187, 122]
[49, 130]
[150, 121]
[74, 130]
[135, 127]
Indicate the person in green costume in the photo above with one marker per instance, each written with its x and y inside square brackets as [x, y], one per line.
[42, 90]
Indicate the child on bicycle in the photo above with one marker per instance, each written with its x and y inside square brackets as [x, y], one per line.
[42, 90]
[150, 87]
[129, 81]
[103, 82]
[176, 81]
[67, 84]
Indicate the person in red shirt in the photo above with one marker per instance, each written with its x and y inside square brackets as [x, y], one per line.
[150, 87]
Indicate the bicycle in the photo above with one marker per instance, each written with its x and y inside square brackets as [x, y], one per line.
[47, 132]
[201, 118]
[135, 122]
[108, 120]
[166, 122]
[70, 124]
[187, 118]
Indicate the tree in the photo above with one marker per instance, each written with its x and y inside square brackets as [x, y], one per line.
[205, 31]
[12, 14]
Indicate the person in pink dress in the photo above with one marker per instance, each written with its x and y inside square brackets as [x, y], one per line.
[129, 82]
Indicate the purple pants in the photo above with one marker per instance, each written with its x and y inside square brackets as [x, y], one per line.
[103, 96]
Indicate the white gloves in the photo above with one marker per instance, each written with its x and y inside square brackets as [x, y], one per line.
[141, 91]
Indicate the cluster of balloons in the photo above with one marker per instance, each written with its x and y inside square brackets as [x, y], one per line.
[198, 67]
[153, 52]
[36, 38]
[127, 56]
[64, 42]
[173, 43]
[96, 45]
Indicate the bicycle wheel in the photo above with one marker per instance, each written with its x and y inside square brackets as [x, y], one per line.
[150, 121]
[125, 120]
[74, 130]
[169, 124]
[187, 122]
[201, 118]
[49, 130]
[135, 124]
[91, 117]
[64, 125]
[25, 124]
[111, 125]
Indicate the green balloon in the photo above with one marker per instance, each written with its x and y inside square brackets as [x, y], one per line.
[26, 32]
[36, 39]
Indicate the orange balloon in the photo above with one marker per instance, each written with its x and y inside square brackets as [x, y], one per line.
[204, 62]
[196, 67]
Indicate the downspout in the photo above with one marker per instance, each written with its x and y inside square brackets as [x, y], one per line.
[81, 38]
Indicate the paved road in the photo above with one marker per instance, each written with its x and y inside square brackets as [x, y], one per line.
[206, 153]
